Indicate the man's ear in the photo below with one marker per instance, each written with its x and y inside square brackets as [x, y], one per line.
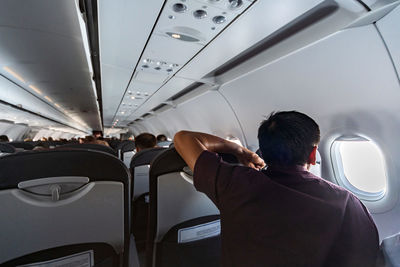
[312, 158]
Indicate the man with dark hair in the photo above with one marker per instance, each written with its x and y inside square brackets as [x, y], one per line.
[288, 138]
[161, 138]
[282, 215]
[144, 141]
[4, 138]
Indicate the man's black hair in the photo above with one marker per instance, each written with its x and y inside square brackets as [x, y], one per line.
[287, 138]
[161, 138]
[145, 140]
[4, 138]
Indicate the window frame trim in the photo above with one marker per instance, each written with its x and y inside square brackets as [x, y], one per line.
[342, 180]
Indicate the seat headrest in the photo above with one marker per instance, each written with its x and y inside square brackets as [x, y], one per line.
[128, 146]
[24, 145]
[96, 147]
[166, 162]
[170, 161]
[146, 156]
[122, 143]
[97, 166]
[6, 148]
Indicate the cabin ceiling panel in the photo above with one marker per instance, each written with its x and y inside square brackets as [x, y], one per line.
[261, 20]
[44, 54]
[163, 48]
[182, 30]
[172, 87]
[124, 28]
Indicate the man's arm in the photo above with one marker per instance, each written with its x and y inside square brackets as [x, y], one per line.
[191, 144]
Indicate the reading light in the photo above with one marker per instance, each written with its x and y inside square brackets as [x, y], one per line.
[182, 37]
[132, 97]
[219, 19]
[200, 14]
[35, 89]
[13, 73]
[179, 8]
[122, 112]
[235, 3]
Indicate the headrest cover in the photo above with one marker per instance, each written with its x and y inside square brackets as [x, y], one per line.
[128, 146]
[170, 161]
[6, 148]
[96, 147]
[23, 145]
[146, 156]
[97, 166]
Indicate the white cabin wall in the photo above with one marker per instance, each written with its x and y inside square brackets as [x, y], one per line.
[208, 112]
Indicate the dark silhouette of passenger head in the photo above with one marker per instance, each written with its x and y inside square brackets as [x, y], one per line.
[288, 138]
[41, 146]
[4, 138]
[161, 138]
[145, 140]
[89, 139]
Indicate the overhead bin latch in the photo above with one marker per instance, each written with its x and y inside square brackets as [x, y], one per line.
[55, 190]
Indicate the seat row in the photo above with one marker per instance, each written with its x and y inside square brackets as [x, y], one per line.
[76, 203]
[80, 205]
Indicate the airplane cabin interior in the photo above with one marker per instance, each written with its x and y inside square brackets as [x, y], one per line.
[81, 79]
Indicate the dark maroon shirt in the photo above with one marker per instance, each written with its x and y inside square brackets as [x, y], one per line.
[285, 217]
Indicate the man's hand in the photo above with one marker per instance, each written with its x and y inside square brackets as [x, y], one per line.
[250, 159]
[191, 144]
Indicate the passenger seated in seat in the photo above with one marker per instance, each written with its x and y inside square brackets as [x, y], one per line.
[4, 138]
[161, 138]
[92, 140]
[282, 215]
[144, 141]
[41, 146]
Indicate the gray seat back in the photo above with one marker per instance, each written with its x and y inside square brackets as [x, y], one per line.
[174, 201]
[6, 149]
[76, 201]
[139, 166]
[127, 151]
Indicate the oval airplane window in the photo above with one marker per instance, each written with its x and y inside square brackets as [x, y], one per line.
[360, 167]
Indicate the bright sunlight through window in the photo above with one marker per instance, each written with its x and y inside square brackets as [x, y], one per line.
[361, 166]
